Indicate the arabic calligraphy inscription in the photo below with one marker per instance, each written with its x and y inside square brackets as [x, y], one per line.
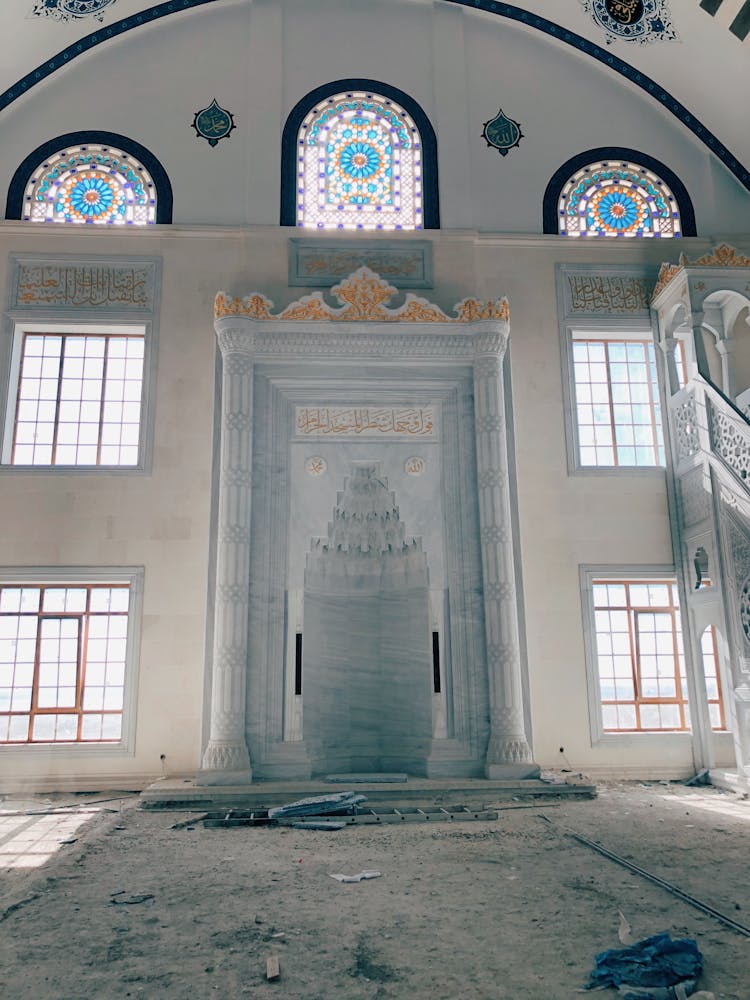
[365, 421]
[85, 285]
[602, 293]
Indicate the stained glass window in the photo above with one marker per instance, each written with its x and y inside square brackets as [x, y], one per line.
[359, 165]
[91, 184]
[617, 199]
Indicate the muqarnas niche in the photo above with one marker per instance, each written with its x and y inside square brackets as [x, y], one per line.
[367, 660]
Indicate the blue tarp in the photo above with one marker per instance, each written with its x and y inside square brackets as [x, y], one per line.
[655, 961]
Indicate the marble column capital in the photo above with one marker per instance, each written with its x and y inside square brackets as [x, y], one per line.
[235, 339]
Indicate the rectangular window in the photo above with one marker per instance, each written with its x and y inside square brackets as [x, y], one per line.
[79, 398]
[64, 657]
[712, 674]
[616, 405]
[639, 655]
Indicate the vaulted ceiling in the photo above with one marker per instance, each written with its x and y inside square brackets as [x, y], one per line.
[702, 77]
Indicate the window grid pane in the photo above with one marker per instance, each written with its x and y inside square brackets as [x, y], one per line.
[79, 400]
[617, 403]
[642, 682]
[62, 674]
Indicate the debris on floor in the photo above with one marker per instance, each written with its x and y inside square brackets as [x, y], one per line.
[272, 968]
[649, 968]
[338, 803]
[359, 877]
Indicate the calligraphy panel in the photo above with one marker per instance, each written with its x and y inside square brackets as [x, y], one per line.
[318, 263]
[122, 285]
[601, 291]
[380, 422]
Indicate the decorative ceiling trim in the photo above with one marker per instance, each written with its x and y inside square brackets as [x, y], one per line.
[510, 11]
[363, 296]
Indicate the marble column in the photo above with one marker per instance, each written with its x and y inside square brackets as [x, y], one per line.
[226, 759]
[508, 751]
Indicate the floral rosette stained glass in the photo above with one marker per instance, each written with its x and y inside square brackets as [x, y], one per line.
[91, 184]
[90, 197]
[359, 165]
[620, 199]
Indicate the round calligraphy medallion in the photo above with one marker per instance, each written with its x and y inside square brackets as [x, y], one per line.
[315, 466]
[415, 466]
[625, 11]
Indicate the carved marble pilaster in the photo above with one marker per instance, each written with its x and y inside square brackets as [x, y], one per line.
[508, 751]
[226, 759]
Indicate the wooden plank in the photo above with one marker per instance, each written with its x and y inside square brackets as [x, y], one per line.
[272, 967]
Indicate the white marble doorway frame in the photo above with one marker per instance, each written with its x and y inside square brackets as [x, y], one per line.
[282, 359]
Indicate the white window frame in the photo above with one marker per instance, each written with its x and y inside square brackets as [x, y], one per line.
[133, 576]
[588, 574]
[83, 326]
[612, 329]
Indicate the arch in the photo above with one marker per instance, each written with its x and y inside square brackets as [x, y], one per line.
[405, 110]
[148, 170]
[510, 11]
[674, 200]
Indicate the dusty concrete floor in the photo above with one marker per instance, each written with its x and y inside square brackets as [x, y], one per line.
[509, 909]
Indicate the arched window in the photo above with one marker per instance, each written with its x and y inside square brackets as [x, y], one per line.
[91, 179]
[359, 155]
[620, 194]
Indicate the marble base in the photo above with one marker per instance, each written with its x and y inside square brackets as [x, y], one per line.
[243, 777]
[510, 771]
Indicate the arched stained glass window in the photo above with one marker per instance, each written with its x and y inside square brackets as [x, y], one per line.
[359, 165]
[91, 183]
[617, 199]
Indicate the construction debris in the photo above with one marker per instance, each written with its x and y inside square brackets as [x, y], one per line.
[336, 804]
[654, 965]
[272, 968]
[359, 877]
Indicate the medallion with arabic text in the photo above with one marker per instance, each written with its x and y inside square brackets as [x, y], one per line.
[69, 10]
[632, 20]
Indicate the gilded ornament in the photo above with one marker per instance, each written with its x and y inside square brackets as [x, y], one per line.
[363, 296]
[723, 255]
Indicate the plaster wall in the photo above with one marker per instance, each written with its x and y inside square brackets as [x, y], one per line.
[161, 520]
[259, 59]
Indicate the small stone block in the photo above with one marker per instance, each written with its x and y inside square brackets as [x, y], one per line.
[272, 967]
[376, 778]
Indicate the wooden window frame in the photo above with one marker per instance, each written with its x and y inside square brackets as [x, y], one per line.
[84, 618]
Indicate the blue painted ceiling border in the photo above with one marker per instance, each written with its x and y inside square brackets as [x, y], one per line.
[510, 11]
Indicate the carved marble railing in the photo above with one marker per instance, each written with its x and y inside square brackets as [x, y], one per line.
[703, 421]
[710, 439]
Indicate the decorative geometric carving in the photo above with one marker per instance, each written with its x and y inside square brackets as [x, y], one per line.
[363, 297]
[745, 608]
[493, 534]
[488, 478]
[729, 441]
[685, 420]
[234, 534]
[232, 591]
[723, 255]
[237, 477]
[695, 501]
[226, 757]
[238, 420]
[491, 422]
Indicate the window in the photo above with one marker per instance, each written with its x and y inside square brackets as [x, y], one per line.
[359, 157]
[641, 664]
[639, 661]
[91, 178]
[66, 659]
[79, 397]
[616, 404]
[617, 199]
[617, 192]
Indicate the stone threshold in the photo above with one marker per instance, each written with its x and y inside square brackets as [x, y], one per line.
[186, 794]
